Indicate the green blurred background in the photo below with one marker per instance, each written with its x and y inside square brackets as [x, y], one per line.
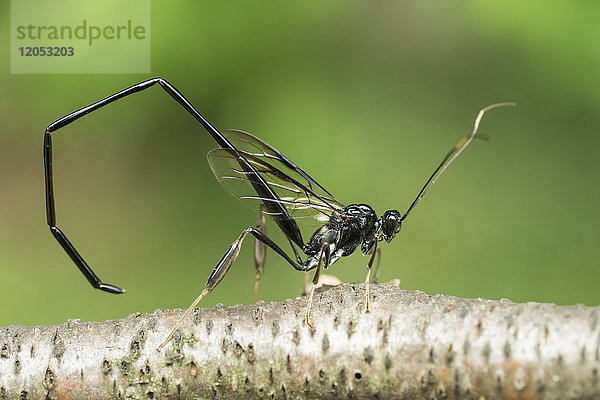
[366, 97]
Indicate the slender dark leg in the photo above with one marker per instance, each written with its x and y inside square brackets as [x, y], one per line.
[287, 225]
[231, 255]
[260, 251]
[367, 280]
[377, 265]
[299, 260]
[59, 235]
[66, 120]
[223, 266]
[166, 86]
[325, 254]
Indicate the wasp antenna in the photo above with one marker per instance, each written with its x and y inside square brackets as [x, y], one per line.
[484, 110]
[451, 156]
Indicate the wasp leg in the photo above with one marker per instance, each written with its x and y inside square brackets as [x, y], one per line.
[260, 251]
[377, 265]
[296, 254]
[374, 279]
[223, 266]
[367, 280]
[324, 281]
[72, 117]
[325, 254]
[60, 237]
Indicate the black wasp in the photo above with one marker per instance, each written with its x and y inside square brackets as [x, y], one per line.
[254, 171]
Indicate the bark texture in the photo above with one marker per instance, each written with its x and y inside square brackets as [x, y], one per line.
[411, 345]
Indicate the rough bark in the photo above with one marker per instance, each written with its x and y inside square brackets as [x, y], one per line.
[411, 345]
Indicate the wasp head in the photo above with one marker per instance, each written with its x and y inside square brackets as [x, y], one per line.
[391, 223]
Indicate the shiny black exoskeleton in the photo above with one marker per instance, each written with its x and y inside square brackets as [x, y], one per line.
[282, 190]
[354, 225]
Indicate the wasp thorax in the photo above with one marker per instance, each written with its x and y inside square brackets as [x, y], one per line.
[390, 224]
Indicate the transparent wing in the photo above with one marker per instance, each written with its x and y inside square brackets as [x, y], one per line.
[293, 192]
[250, 144]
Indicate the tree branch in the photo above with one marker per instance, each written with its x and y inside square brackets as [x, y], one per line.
[411, 345]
